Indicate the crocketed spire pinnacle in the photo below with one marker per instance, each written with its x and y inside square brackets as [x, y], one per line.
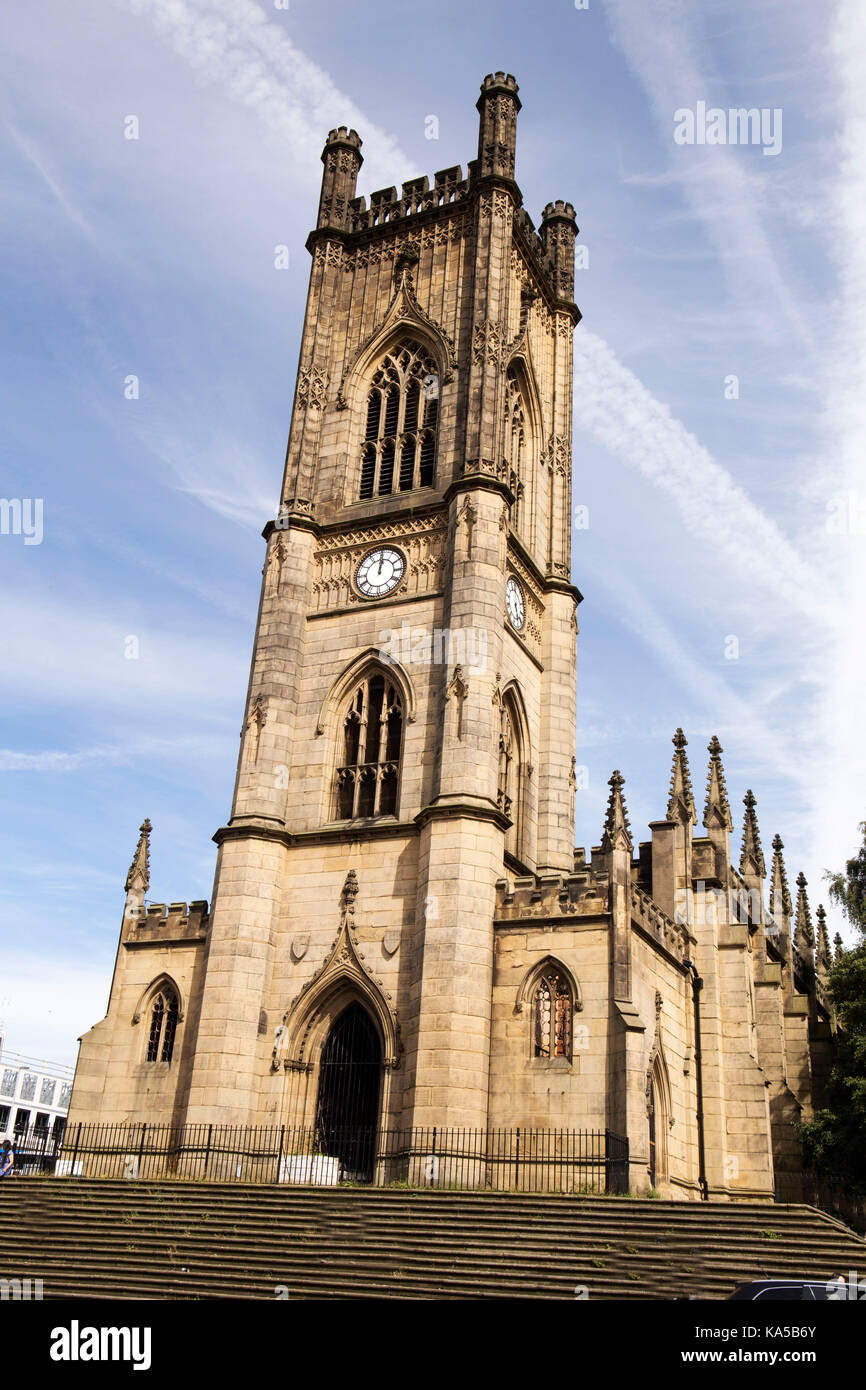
[751, 855]
[616, 829]
[804, 936]
[681, 803]
[824, 955]
[139, 870]
[780, 898]
[717, 810]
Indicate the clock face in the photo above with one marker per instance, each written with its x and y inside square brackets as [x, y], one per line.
[380, 571]
[515, 603]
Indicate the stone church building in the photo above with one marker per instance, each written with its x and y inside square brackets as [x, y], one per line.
[397, 896]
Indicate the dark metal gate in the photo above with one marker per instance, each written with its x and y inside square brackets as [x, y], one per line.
[350, 1077]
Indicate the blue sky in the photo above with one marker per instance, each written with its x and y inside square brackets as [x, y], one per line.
[709, 518]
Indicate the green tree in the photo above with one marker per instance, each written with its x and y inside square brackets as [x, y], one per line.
[848, 890]
[835, 1140]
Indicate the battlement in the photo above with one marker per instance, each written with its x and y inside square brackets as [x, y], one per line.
[498, 81]
[416, 196]
[674, 936]
[340, 210]
[157, 922]
[559, 209]
[342, 136]
[550, 896]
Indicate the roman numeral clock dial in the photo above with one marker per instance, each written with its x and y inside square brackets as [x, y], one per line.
[515, 604]
[380, 572]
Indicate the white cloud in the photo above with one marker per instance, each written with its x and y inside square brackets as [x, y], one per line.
[132, 752]
[67, 651]
[618, 410]
[841, 801]
[662, 45]
[55, 761]
[233, 43]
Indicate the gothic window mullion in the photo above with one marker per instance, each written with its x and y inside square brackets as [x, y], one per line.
[156, 1021]
[367, 775]
[383, 755]
[552, 1012]
[400, 436]
[362, 749]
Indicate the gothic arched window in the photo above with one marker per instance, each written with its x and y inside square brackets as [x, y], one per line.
[512, 773]
[515, 442]
[163, 1026]
[399, 449]
[369, 768]
[551, 1015]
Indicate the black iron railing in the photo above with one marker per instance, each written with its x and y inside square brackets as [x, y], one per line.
[524, 1160]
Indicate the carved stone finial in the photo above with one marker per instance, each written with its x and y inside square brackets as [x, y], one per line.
[717, 810]
[804, 935]
[824, 957]
[681, 802]
[780, 897]
[616, 828]
[348, 894]
[751, 855]
[837, 943]
[138, 878]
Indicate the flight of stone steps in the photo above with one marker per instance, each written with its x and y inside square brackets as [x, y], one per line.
[113, 1239]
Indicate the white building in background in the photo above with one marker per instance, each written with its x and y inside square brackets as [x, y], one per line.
[34, 1094]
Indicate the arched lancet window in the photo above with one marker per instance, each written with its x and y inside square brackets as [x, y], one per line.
[657, 1104]
[368, 773]
[163, 1026]
[512, 757]
[399, 449]
[552, 1009]
[651, 1109]
[515, 443]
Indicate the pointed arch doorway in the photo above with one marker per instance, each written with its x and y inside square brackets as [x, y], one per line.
[350, 1082]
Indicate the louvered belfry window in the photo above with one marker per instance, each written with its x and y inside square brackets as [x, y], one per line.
[552, 1008]
[399, 449]
[368, 775]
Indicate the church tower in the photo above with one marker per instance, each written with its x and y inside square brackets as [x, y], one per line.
[402, 934]
[409, 732]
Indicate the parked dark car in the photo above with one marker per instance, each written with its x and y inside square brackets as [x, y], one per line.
[790, 1290]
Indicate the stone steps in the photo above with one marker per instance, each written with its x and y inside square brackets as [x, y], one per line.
[241, 1241]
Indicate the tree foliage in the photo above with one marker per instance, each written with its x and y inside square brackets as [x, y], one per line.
[848, 890]
[835, 1140]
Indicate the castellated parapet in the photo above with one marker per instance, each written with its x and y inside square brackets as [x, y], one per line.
[158, 924]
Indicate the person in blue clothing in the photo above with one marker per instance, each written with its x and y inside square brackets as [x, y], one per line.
[7, 1159]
